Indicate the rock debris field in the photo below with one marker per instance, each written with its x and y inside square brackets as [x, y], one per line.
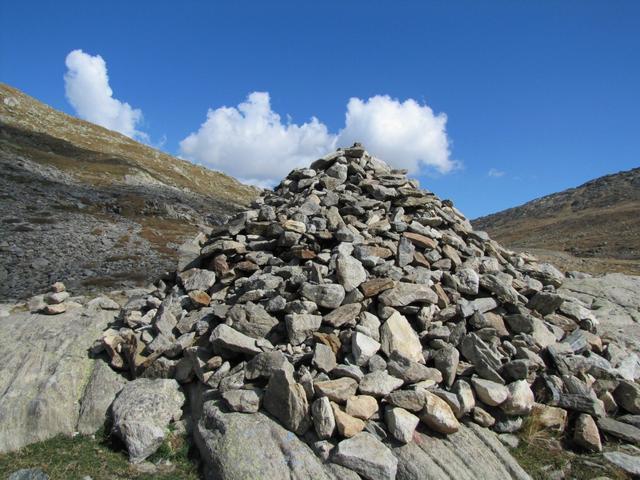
[356, 308]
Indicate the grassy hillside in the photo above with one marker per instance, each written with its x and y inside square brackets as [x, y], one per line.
[594, 227]
[99, 156]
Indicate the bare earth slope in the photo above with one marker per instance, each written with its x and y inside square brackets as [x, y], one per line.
[594, 227]
[83, 203]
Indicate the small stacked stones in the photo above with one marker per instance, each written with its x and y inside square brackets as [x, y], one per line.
[348, 299]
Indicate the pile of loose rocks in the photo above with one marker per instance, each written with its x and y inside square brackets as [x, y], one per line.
[350, 300]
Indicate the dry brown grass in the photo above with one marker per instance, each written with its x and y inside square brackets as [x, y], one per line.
[99, 156]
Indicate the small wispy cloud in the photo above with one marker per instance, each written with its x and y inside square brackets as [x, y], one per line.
[495, 173]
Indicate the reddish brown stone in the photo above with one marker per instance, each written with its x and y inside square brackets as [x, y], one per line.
[329, 339]
[421, 240]
[443, 299]
[246, 266]
[421, 260]
[199, 297]
[304, 254]
[375, 286]
[219, 264]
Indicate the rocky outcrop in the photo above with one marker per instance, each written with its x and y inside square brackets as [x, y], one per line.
[48, 383]
[222, 437]
[471, 453]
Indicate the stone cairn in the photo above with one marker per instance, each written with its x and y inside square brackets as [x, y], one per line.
[350, 300]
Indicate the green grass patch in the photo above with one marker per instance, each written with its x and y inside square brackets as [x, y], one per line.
[541, 452]
[100, 457]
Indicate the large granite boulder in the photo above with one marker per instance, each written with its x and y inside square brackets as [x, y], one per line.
[142, 413]
[237, 446]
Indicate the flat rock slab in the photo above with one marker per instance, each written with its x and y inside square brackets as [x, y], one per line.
[44, 370]
[28, 474]
[471, 453]
[628, 463]
[225, 440]
[615, 300]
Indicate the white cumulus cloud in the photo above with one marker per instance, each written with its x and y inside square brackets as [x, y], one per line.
[494, 172]
[87, 89]
[404, 134]
[252, 143]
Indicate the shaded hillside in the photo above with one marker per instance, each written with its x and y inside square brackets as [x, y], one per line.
[593, 227]
[80, 202]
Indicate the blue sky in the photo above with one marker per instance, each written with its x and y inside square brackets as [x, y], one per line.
[545, 94]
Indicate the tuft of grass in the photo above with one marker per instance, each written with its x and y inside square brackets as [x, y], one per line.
[102, 458]
[542, 451]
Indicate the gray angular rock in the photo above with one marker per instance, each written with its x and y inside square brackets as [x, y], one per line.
[99, 394]
[437, 414]
[326, 295]
[477, 351]
[28, 474]
[379, 384]
[246, 401]
[545, 302]
[367, 456]
[363, 348]
[520, 399]
[467, 281]
[409, 371]
[339, 390]
[301, 326]
[224, 337]
[286, 400]
[446, 360]
[265, 363]
[401, 423]
[398, 337]
[500, 288]
[465, 395]
[343, 315]
[620, 430]
[404, 294]
[350, 272]
[627, 395]
[197, 279]
[490, 393]
[252, 320]
[585, 433]
[323, 358]
[405, 252]
[323, 419]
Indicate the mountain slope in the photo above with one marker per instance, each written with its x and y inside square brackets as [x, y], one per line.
[81, 202]
[594, 227]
